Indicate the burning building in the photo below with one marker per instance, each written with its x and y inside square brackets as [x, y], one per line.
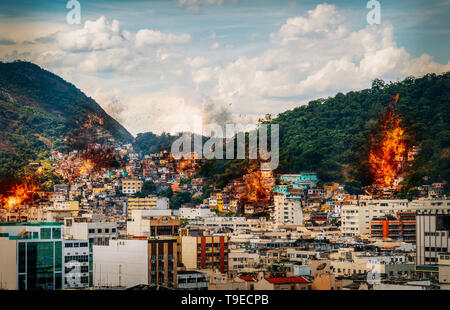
[258, 191]
[14, 206]
[389, 152]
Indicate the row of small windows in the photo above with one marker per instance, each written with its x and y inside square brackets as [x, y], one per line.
[431, 259]
[78, 258]
[433, 249]
[83, 280]
[433, 234]
[100, 230]
[48, 233]
[76, 245]
[81, 269]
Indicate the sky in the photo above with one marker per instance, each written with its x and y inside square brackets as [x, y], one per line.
[160, 65]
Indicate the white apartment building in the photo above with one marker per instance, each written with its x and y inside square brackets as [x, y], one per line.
[349, 268]
[98, 233]
[356, 219]
[193, 213]
[76, 264]
[122, 263]
[41, 215]
[192, 280]
[235, 223]
[241, 260]
[301, 256]
[287, 211]
[432, 235]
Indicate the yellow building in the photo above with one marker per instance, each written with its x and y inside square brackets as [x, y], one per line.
[67, 205]
[146, 204]
[131, 186]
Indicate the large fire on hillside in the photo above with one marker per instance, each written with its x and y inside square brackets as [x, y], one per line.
[21, 194]
[389, 153]
[255, 188]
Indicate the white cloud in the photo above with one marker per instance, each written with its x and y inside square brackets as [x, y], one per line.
[95, 35]
[315, 55]
[102, 46]
[152, 37]
[323, 20]
[154, 80]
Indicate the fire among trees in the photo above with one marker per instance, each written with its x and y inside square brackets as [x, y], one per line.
[389, 150]
[255, 189]
[21, 194]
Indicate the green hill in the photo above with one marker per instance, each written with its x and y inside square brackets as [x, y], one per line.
[39, 112]
[331, 135]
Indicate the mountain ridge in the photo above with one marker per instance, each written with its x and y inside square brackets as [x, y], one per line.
[40, 111]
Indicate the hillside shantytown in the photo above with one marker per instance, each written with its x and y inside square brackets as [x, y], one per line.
[133, 228]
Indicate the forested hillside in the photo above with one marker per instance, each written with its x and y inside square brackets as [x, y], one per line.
[331, 135]
[40, 112]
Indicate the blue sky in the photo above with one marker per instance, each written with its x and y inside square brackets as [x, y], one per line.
[164, 61]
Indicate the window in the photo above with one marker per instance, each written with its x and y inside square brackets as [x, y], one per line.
[45, 233]
[443, 222]
[56, 232]
[58, 256]
[21, 259]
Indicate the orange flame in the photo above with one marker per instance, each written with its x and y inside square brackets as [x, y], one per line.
[87, 167]
[21, 193]
[255, 191]
[386, 158]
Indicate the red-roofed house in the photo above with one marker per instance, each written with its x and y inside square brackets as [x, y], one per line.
[247, 278]
[249, 282]
[286, 283]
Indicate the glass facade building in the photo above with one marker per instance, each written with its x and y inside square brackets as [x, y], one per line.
[39, 254]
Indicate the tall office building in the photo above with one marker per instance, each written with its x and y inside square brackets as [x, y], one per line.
[163, 260]
[432, 235]
[31, 256]
[205, 252]
[287, 211]
[77, 271]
